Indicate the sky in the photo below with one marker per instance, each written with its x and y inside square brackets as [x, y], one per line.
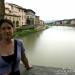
[49, 9]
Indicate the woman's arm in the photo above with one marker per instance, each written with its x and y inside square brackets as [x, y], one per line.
[25, 61]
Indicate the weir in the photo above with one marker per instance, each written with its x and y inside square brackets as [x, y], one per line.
[42, 70]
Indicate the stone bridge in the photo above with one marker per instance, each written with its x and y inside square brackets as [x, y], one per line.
[42, 70]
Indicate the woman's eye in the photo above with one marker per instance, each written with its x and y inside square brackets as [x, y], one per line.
[8, 28]
[3, 28]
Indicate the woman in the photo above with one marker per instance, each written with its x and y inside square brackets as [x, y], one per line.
[7, 49]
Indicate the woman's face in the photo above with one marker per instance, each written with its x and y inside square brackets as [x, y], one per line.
[6, 31]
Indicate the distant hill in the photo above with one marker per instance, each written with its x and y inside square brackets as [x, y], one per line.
[49, 21]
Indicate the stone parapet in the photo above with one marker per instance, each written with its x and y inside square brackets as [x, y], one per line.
[42, 70]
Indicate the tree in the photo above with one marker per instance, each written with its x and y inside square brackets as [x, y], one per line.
[68, 22]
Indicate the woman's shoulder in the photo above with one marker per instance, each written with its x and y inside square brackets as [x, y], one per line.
[19, 41]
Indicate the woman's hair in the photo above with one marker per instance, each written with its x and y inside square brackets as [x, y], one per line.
[6, 21]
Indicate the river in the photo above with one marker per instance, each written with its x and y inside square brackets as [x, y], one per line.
[53, 47]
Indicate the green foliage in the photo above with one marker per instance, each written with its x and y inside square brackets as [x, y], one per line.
[24, 32]
[68, 22]
[24, 28]
[47, 27]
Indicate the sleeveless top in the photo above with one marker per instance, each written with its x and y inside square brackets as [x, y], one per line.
[6, 61]
[6, 58]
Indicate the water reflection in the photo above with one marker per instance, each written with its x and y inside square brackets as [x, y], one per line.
[54, 47]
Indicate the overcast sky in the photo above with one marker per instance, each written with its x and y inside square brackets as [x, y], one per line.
[49, 9]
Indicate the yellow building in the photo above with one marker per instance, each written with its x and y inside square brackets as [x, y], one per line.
[15, 13]
[21, 16]
[37, 20]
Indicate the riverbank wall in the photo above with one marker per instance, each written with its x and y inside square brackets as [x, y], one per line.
[42, 70]
[70, 25]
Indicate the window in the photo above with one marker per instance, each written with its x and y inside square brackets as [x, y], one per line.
[22, 23]
[27, 16]
[19, 10]
[12, 7]
[22, 17]
[22, 10]
[9, 11]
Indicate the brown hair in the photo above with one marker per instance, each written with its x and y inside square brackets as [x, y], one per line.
[7, 21]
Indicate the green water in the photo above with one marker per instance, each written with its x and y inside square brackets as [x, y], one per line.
[54, 47]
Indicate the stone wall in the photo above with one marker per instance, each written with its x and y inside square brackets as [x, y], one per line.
[42, 70]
